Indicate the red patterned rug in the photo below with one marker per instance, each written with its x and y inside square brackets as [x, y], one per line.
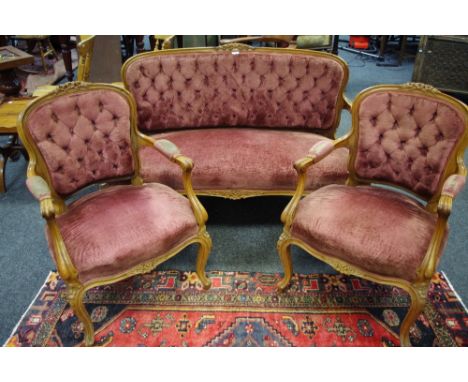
[169, 308]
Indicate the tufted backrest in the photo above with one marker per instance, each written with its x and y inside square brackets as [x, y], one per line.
[246, 89]
[406, 138]
[83, 137]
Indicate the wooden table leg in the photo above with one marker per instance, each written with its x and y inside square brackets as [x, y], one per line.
[66, 55]
[12, 150]
[140, 44]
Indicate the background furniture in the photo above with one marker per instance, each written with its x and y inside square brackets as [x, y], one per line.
[85, 51]
[85, 48]
[244, 114]
[442, 62]
[83, 134]
[411, 137]
[281, 41]
[9, 112]
[43, 41]
[327, 43]
[11, 58]
[160, 41]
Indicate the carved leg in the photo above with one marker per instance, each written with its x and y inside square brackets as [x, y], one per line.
[284, 250]
[75, 298]
[202, 258]
[418, 293]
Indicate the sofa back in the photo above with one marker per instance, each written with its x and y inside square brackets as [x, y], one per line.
[243, 87]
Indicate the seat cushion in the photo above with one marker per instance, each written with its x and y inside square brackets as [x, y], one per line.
[379, 230]
[243, 159]
[110, 231]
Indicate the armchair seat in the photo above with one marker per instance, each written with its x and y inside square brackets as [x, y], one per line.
[243, 159]
[379, 230]
[104, 231]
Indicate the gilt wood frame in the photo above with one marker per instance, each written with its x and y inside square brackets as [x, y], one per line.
[238, 48]
[54, 205]
[438, 203]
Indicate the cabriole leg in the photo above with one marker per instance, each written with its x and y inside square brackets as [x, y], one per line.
[284, 250]
[202, 258]
[75, 298]
[418, 293]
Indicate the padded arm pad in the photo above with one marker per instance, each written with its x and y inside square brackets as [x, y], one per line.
[167, 148]
[38, 187]
[321, 149]
[453, 185]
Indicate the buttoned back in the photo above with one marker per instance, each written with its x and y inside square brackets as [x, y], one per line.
[246, 89]
[406, 138]
[83, 137]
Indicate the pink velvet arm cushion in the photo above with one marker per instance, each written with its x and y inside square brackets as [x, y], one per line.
[321, 149]
[453, 185]
[38, 187]
[167, 148]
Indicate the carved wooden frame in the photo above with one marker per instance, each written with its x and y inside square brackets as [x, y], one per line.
[85, 50]
[53, 205]
[237, 48]
[439, 203]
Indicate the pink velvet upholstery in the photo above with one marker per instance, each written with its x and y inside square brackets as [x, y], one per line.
[406, 139]
[110, 231]
[83, 138]
[252, 89]
[235, 158]
[379, 230]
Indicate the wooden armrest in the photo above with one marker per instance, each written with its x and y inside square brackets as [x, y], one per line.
[453, 185]
[316, 153]
[41, 191]
[451, 188]
[321, 149]
[167, 148]
[172, 152]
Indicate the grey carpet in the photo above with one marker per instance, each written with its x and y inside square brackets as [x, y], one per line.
[244, 232]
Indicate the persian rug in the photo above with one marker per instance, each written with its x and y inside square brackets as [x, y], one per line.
[170, 308]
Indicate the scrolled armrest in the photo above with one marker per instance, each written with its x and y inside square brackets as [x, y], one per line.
[172, 152]
[321, 149]
[41, 191]
[451, 188]
[453, 185]
[167, 148]
[316, 153]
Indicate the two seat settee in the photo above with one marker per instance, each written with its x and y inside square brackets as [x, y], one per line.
[243, 114]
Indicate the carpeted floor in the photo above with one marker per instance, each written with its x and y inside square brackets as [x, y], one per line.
[244, 232]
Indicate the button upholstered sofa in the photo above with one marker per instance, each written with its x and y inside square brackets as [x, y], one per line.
[243, 114]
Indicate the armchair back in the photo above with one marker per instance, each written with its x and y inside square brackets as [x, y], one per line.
[237, 85]
[408, 135]
[81, 134]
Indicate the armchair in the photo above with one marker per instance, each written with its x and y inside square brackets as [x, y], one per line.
[82, 134]
[407, 136]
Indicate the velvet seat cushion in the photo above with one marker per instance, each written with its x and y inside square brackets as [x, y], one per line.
[243, 159]
[379, 230]
[110, 231]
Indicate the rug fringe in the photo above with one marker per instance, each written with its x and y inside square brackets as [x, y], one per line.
[27, 309]
[454, 291]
